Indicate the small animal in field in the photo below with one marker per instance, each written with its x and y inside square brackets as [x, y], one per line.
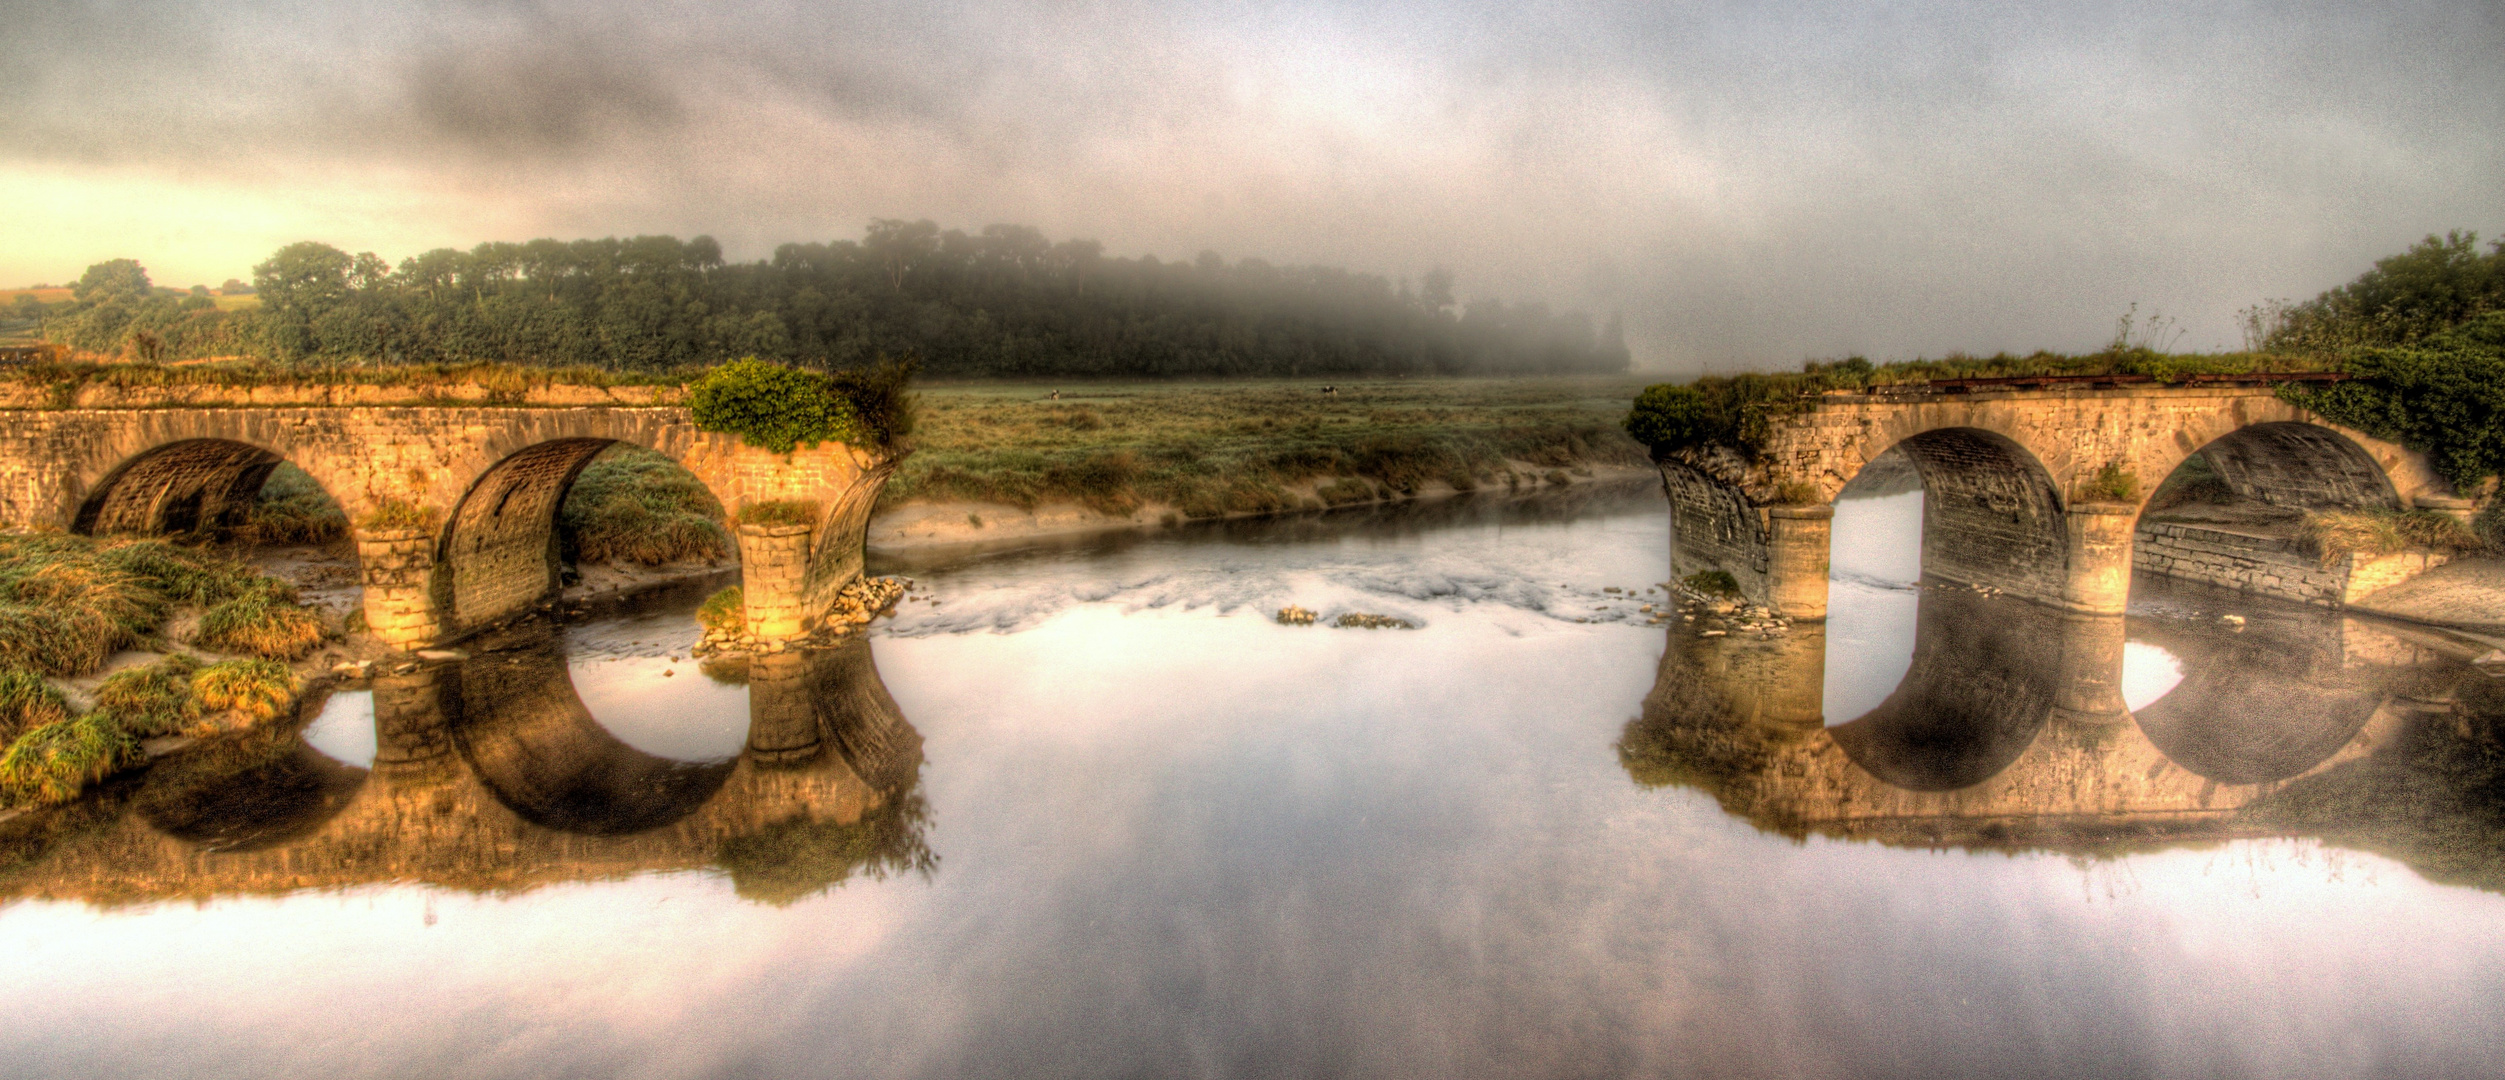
[1056, 395]
[1330, 391]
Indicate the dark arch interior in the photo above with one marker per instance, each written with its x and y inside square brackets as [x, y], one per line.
[1990, 515]
[506, 550]
[190, 486]
[251, 791]
[2262, 480]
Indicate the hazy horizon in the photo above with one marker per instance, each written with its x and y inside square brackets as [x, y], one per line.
[1749, 187]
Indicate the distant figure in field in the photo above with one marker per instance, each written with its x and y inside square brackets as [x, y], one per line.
[1330, 391]
[1056, 395]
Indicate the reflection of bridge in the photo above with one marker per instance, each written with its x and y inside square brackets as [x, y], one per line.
[2015, 500]
[492, 477]
[1984, 738]
[490, 775]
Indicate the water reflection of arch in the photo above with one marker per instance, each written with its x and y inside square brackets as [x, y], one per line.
[1969, 749]
[1983, 680]
[526, 733]
[826, 786]
[2276, 696]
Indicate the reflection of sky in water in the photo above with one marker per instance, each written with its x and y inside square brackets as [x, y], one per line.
[683, 716]
[344, 729]
[1179, 839]
[1874, 564]
[2148, 672]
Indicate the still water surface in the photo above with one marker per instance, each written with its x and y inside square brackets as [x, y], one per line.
[1087, 811]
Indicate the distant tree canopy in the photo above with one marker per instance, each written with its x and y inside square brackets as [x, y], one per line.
[1006, 302]
[2438, 284]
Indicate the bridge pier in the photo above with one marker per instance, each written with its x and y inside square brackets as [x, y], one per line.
[1797, 543]
[398, 571]
[773, 569]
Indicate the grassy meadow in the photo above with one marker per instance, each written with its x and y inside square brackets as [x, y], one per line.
[1207, 449]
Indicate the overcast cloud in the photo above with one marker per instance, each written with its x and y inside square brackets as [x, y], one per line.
[1749, 184]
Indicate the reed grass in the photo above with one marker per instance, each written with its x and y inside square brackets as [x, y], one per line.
[2337, 534]
[259, 689]
[27, 702]
[150, 701]
[266, 623]
[54, 762]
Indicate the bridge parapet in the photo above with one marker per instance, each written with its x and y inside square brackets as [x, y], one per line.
[452, 507]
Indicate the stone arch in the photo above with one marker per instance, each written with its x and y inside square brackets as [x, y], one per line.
[2301, 465]
[1992, 516]
[498, 552]
[2277, 470]
[181, 486]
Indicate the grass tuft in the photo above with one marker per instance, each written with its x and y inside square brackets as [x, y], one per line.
[779, 512]
[259, 689]
[293, 509]
[150, 701]
[2337, 534]
[27, 702]
[263, 623]
[725, 612]
[56, 761]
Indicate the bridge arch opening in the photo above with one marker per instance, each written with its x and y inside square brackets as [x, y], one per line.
[248, 499]
[2233, 513]
[561, 506]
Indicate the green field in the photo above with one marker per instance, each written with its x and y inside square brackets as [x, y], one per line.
[1238, 447]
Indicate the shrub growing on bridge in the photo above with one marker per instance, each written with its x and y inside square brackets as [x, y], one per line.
[2443, 397]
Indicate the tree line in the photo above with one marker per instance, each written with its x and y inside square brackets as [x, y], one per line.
[1006, 302]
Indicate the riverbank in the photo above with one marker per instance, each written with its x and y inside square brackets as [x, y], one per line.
[1129, 453]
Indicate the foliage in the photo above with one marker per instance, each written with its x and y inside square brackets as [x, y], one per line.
[2438, 284]
[636, 505]
[150, 701]
[2337, 534]
[395, 514]
[259, 689]
[1004, 302]
[2194, 481]
[2443, 396]
[725, 612]
[779, 512]
[2112, 483]
[776, 407]
[793, 860]
[27, 702]
[53, 763]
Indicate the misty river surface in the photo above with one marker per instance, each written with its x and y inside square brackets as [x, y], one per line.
[1087, 810]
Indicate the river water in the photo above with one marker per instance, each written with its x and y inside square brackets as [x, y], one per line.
[1087, 810]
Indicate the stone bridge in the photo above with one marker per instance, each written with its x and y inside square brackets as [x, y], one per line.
[452, 507]
[2018, 493]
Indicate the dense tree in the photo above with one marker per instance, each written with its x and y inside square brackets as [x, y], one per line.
[2439, 283]
[116, 280]
[1004, 302]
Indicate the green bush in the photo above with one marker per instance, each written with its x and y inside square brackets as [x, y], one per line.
[262, 624]
[2443, 397]
[53, 763]
[776, 407]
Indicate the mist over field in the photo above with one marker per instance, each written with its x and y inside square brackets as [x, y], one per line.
[1748, 185]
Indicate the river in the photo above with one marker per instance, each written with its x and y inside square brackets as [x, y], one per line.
[1087, 810]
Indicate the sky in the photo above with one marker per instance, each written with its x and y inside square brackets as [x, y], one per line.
[1750, 185]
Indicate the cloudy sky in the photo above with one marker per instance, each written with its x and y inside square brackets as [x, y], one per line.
[1751, 184]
